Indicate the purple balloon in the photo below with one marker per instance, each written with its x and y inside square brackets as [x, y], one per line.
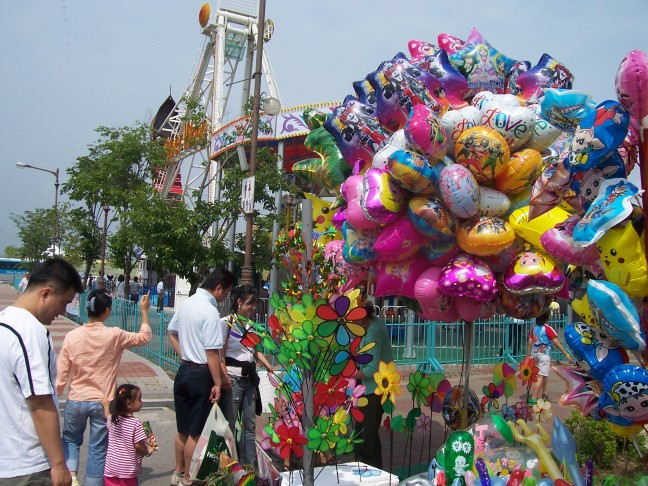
[453, 84]
[384, 199]
[482, 470]
[548, 73]
[467, 276]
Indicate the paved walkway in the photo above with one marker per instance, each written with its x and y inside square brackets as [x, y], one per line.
[157, 392]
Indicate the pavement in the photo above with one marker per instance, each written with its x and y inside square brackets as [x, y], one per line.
[157, 394]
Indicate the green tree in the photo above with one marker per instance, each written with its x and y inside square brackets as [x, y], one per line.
[82, 239]
[12, 251]
[36, 233]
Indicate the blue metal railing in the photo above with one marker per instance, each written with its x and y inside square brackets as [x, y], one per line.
[427, 345]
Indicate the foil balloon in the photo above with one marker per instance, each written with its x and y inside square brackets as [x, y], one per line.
[521, 306]
[431, 217]
[450, 43]
[394, 142]
[502, 461]
[440, 250]
[400, 85]
[582, 308]
[467, 276]
[558, 242]
[595, 351]
[632, 84]
[353, 191]
[471, 310]
[582, 390]
[398, 241]
[483, 98]
[514, 123]
[523, 169]
[420, 49]
[485, 236]
[399, 278]
[612, 205]
[597, 134]
[330, 169]
[566, 108]
[531, 230]
[322, 219]
[513, 75]
[358, 244]
[615, 312]
[365, 92]
[492, 203]
[453, 85]
[490, 432]
[626, 394]
[413, 172]
[315, 118]
[549, 189]
[484, 152]
[622, 253]
[428, 295]
[532, 273]
[482, 65]
[587, 184]
[339, 217]
[383, 200]
[351, 274]
[518, 201]
[455, 122]
[500, 262]
[548, 73]
[459, 190]
[425, 133]
[544, 134]
[356, 129]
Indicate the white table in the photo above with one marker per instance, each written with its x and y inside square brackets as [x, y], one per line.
[345, 475]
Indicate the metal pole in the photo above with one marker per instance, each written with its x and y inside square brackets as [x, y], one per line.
[275, 228]
[102, 273]
[468, 334]
[247, 272]
[56, 191]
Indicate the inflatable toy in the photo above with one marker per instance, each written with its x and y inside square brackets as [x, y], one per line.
[459, 190]
[459, 455]
[532, 273]
[413, 172]
[521, 172]
[484, 152]
[485, 236]
[467, 276]
[626, 393]
[596, 352]
[330, 169]
[424, 132]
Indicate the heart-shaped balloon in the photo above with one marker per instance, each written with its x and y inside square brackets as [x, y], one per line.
[515, 124]
[482, 98]
[455, 122]
[543, 134]
[632, 84]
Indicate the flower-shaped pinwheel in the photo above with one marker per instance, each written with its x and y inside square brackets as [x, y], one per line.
[304, 310]
[508, 412]
[418, 386]
[542, 409]
[523, 411]
[294, 353]
[331, 394]
[307, 334]
[489, 400]
[528, 372]
[346, 361]
[341, 418]
[423, 424]
[290, 441]
[387, 379]
[242, 329]
[346, 444]
[341, 320]
[323, 436]
[504, 374]
[355, 399]
[439, 387]
[276, 328]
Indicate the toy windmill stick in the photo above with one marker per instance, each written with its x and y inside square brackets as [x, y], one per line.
[537, 443]
[468, 333]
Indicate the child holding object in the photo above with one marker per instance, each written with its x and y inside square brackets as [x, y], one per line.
[128, 442]
[541, 339]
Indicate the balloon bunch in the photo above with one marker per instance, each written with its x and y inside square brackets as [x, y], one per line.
[475, 180]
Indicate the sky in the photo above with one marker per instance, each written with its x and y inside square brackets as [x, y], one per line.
[69, 66]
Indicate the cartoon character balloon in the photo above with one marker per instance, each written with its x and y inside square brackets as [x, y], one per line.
[467, 276]
[453, 83]
[548, 73]
[625, 400]
[558, 242]
[596, 352]
[460, 454]
[532, 273]
[425, 133]
[485, 236]
[484, 152]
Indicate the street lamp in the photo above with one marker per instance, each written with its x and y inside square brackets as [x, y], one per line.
[102, 271]
[55, 173]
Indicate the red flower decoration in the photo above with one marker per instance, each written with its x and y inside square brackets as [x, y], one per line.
[331, 394]
[528, 372]
[290, 441]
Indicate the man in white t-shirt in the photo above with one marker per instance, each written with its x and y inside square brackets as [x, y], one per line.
[30, 438]
[23, 283]
[196, 336]
[160, 296]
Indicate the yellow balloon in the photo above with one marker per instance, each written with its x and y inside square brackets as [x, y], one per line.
[627, 432]
[483, 151]
[582, 308]
[322, 218]
[532, 230]
[623, 259]
[521, 172]
[485, 236]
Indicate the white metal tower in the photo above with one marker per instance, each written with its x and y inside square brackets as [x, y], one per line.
[231, 35]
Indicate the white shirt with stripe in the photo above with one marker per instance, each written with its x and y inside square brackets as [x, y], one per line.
[27, 368]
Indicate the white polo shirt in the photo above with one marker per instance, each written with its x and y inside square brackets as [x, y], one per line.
[27, 368]
[197, 324]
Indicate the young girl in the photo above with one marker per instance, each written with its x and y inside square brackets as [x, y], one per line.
[127, 440]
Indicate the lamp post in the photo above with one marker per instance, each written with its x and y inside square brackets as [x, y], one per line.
[55, 173]
[102, 272]
[272, 107]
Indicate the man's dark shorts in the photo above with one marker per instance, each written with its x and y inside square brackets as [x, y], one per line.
[191, 391]
[42, 478]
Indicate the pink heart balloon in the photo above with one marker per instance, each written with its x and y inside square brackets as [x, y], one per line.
[632, 84]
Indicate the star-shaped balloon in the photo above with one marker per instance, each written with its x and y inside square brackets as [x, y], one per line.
[328, 171]
[582, 390]
[548, 73]
[484, 67]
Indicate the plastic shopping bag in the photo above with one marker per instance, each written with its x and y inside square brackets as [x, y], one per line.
[267, 474]
[216, 437]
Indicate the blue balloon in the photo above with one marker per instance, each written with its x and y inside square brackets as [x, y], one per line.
[594, 349]
[625, 400]
[566, 108]
[615, 313]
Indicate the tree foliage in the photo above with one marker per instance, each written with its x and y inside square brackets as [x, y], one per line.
[36, 233]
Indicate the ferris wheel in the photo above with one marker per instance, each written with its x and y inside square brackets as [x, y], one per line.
[224, 65]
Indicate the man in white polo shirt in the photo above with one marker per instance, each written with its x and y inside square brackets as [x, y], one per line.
[196, 336]
[30, 438]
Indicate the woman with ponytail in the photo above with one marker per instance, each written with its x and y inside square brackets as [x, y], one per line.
[88, 361]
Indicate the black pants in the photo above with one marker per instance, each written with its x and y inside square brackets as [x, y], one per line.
[370, 450]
